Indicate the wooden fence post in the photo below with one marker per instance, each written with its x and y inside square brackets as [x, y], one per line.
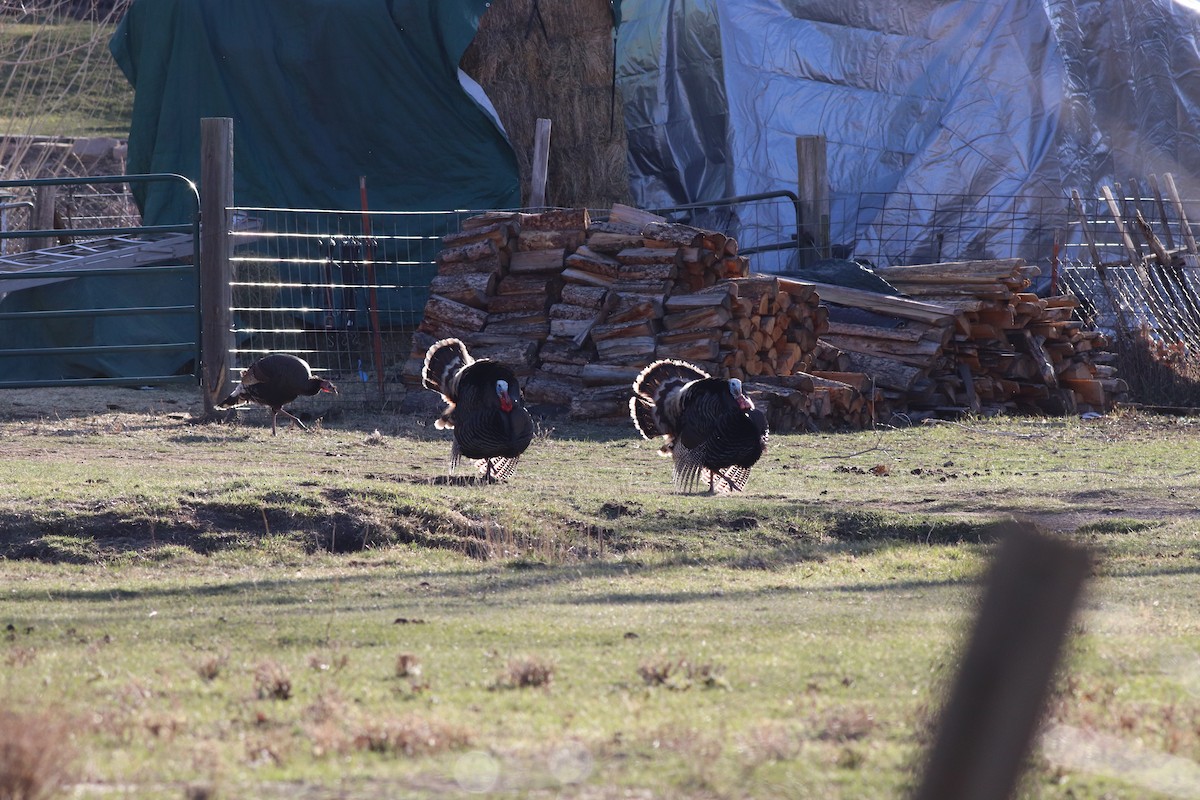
[43, 215]
[812, 174]
[989, 720]
[216, 249]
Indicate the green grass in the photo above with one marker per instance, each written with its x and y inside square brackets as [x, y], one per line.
[326, 613]
[59, 79]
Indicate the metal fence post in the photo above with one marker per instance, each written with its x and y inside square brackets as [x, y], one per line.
[216, 249]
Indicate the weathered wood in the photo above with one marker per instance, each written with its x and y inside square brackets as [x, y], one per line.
[526, 261]
[485, 249]
[887, 372]
[455, 313]
[596, 374]
[686, 302]
[564, 219]
[633, 306]
[699, 350]
[1184, 226]
[579, 276]
[605, 242]
[549, 240]
[489, 218]
[902, 307]
[557, 390]
[712, 317]
[637, 347]
[589, 260]
[510, 303]
[471, 289]
[528, 284]
[648, 255]
[622, 330]
[498, 232]
[978, 269]
[672, 234]
[1119, 221]
[632, 216]
[216, 251]
[590, 296]
[572, 311]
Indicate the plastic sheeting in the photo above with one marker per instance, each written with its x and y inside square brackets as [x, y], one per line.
[321, 92]
[980, 100]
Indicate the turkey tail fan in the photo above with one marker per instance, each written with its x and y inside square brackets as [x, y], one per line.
[661, 377]
[689, 467]
[642, 412]
[728, 480]
[498, 468]
[443, 361]
[651, 390]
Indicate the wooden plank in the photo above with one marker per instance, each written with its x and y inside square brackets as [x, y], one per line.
[216, 251]
[1119, 221]
[1184, 226]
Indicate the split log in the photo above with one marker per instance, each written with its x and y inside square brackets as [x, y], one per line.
[454, 313]
[471, 289]
[556, 220]
[526, 261]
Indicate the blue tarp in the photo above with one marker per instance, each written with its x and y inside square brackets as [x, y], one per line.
[996, 102]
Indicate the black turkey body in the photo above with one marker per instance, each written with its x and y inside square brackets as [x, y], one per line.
[274, 381]
[711, 430]
[484, 407]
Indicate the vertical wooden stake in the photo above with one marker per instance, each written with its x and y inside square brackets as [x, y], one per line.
[1184, 226]
[43, 215]
[541, 164]
[216, 249]
[990, 719]
[813, 191]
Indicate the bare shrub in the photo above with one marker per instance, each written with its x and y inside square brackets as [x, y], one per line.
[272, 681]
[209, 666]
[525, 672]
[36, 754]
[681, 674]
[411, 736]
[408, 666]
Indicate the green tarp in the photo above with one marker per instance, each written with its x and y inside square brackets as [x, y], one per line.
[321, 92]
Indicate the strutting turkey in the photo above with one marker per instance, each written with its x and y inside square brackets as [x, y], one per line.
[710, 428]
[274, 381]
[484, 407]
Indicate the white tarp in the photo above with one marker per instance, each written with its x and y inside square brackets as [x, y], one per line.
[973, 99]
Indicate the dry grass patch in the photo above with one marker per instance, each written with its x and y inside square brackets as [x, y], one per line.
[272, 681]
[681, 674]
[525, 672]
[411, 736]
[37, 756]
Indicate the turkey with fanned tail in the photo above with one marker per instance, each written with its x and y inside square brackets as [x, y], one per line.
[484, 407]
[710, 428]
[274, 381]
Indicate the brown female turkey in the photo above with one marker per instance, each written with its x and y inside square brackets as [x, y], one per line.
[274, 381]
[710, 428]
[483, 406]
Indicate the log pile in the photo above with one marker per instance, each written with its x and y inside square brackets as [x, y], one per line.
[1006, 350]
[578, 307]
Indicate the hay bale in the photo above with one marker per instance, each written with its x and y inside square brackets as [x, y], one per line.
[564, 75]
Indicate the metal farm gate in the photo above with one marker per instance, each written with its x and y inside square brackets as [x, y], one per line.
[113, 303]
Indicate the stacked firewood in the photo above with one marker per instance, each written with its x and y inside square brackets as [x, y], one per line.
[578, 308]
[974, 341]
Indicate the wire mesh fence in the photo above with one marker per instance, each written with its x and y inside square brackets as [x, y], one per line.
[343, 290]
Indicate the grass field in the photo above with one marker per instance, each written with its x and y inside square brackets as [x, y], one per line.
[205, 611]
[58, 79]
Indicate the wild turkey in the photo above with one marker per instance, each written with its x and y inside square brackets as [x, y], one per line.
[276, 380]
[710, 428]
[483, 406]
